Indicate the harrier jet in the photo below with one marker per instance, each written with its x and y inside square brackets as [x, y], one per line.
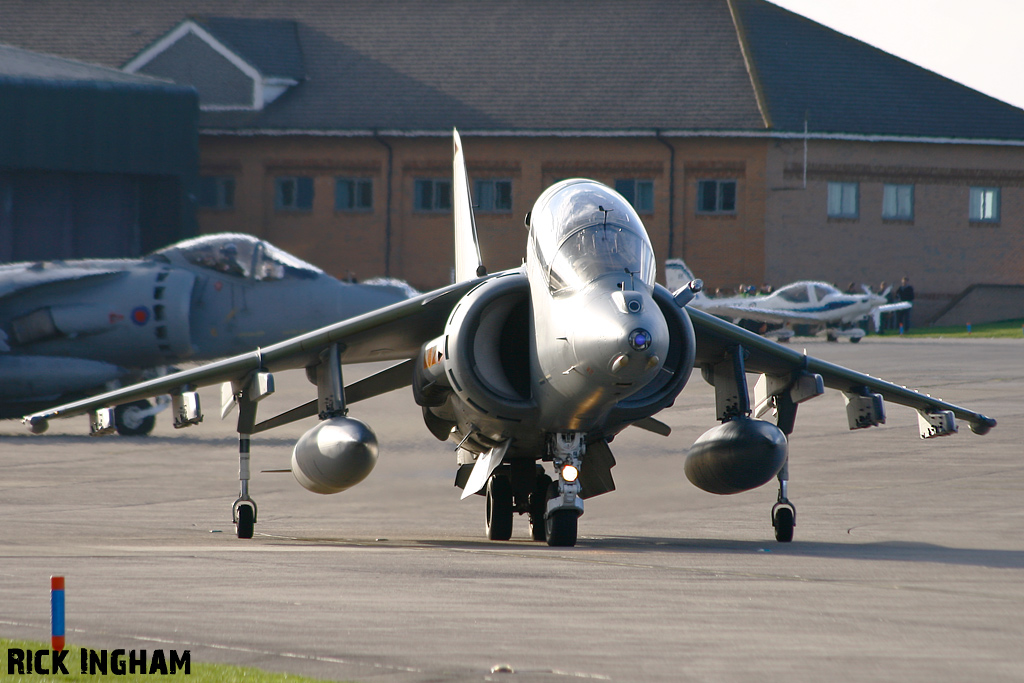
[532, 371]
[73, 328]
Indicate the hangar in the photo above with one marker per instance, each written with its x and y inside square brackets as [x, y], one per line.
[758, 145]
[94, 162]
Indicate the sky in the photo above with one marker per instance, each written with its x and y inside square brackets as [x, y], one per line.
[979, 43]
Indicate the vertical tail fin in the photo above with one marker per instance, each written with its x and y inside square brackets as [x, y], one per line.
[468, 264]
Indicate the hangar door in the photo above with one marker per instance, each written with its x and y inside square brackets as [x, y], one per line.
[53, 215]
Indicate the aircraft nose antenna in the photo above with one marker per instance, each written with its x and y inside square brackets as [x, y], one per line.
[640, 339]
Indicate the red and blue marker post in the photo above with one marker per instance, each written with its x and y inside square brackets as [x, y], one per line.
[57, 613]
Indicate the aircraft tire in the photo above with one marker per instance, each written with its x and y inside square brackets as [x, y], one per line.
[499, 508]
[246, 521]
[538, 505]
[854, 340]
[128, 424]
[784, 523]
[561, 527]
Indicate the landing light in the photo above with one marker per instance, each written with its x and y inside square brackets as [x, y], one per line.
[570, 473]
[640, 339]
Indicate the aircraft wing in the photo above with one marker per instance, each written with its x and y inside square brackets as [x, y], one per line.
[396, 332]
[889, 308]
[715, 337]
[759, 314]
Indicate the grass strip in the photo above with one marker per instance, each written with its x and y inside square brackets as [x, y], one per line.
[199, 672]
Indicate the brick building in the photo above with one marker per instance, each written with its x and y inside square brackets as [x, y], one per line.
[757, 145]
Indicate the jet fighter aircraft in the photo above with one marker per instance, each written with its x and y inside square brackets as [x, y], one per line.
[71, 328]
[817, 304]
[541, 364]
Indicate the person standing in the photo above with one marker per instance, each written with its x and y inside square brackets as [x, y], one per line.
[905, 293]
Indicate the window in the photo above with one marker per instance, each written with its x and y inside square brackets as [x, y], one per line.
[716, 196]
[293, 193]
[985, 204]
[217, 192]
[898, 202]
[639, 193]
[842, 200]
[433, 195]
[493, 195]
[353, 194]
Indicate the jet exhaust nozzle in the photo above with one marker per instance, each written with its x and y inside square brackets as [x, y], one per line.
[736, 456]
[334, 455]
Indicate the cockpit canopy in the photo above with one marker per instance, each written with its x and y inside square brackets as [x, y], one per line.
[241, 255]
[581, 230]
[802, 292]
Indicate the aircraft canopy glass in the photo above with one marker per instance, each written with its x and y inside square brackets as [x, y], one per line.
[822, 290]
[796, 294]
[581, 230]
[243, 256]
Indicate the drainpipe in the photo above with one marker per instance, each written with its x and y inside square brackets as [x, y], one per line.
[387, 208]
[671, 191]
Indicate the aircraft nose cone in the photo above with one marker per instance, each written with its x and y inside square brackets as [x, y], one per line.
[623, 346]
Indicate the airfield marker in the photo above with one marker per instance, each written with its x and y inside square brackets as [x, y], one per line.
[57, 613]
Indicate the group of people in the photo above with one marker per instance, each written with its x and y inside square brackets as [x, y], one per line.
[898, 320]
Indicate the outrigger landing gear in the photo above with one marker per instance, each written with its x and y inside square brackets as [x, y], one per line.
[245, 395]
[243, 511]
[784, 512]
[564, 505]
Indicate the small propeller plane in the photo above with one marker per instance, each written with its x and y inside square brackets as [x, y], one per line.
[817, 304]
[73, 328]
[541, 364]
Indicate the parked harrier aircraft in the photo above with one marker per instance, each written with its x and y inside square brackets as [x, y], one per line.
[71, 328]
[817, 304]
[544, 363]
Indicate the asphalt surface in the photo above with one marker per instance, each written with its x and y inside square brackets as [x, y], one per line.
[907, 564]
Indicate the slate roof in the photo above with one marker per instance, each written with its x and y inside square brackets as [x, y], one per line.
[843, 85]
[270, 45]
[596, 66]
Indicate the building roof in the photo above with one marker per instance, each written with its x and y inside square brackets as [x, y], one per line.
[270, 45]
[16, 63]
[535, 66]
[841, 85]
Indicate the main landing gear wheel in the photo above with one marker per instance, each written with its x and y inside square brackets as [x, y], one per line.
[561, 525]
[130, 420]
[538, 506]
[246, 521]
[783, 519]
[499, 508]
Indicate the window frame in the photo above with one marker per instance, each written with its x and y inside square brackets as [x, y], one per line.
[436, 195]
[720, 208]
[637, 187]
[895, 189]
[357, 187]
[980, 193]
[842, 187]
[491, 206]
[300, 184]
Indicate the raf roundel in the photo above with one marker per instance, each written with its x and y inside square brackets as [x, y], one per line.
[140, 315]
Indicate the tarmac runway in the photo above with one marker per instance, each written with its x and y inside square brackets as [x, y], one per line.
[907, 564]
